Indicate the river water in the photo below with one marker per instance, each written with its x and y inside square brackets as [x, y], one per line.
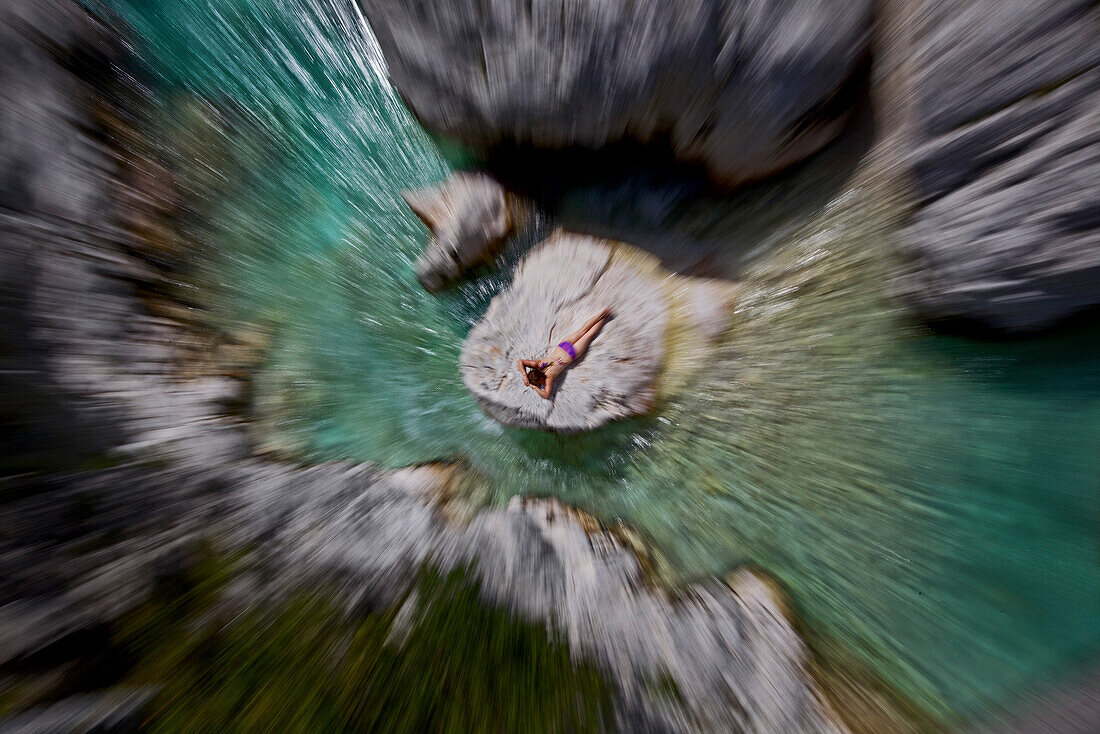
[931, 502]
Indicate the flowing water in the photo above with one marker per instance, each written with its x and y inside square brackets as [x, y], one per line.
[931, 502]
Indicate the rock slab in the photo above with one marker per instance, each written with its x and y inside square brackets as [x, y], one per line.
[468, 217]
[1007, 163]
[744, 88]
[558, 286]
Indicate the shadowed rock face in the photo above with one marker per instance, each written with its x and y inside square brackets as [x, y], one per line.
[746, 89]
[561, 284]
[468, 218]
[1007, 163]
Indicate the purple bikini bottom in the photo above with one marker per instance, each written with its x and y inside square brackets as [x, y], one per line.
[568, 347]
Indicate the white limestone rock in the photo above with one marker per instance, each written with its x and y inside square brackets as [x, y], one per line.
[562, 283]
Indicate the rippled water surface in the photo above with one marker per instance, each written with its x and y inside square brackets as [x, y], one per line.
[931, 502]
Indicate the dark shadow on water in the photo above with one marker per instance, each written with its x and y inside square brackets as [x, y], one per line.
[1064, 361]
[980, 331]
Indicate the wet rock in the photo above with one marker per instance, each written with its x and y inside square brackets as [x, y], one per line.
[1007, 164]
[562, 283]
[746, 89]
[468, 217]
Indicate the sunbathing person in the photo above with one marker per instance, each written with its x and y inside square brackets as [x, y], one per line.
[539, 375]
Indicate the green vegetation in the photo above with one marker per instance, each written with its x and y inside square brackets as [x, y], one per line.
[306, 666]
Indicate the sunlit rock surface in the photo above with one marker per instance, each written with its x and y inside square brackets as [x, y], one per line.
[561, 284]
[746, 89]
[468, 218]
[1007, 163]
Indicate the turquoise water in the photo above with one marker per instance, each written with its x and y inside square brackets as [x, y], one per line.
[931, 502]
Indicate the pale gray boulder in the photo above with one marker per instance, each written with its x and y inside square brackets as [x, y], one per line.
[744, 88]
[558, 286]
[468, 218]
[1007, 163]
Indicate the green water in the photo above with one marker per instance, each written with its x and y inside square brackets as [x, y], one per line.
[931, 502]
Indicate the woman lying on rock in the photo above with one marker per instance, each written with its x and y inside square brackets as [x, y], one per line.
[539, 374]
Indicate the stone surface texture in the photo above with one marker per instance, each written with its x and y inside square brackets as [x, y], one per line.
[558, 286]
[468, 218]
[1007, 163]
[722, 645]
[744, 88]
[42, 168]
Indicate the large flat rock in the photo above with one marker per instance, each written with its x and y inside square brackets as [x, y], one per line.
[562, 283]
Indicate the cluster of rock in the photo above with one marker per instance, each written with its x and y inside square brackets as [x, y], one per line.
[736, 660]
[745, 89]
[729, 649]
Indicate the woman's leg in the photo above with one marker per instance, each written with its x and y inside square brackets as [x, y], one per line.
[581, 344]
[578, 335]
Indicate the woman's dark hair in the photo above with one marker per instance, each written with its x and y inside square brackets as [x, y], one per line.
[537, 377]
